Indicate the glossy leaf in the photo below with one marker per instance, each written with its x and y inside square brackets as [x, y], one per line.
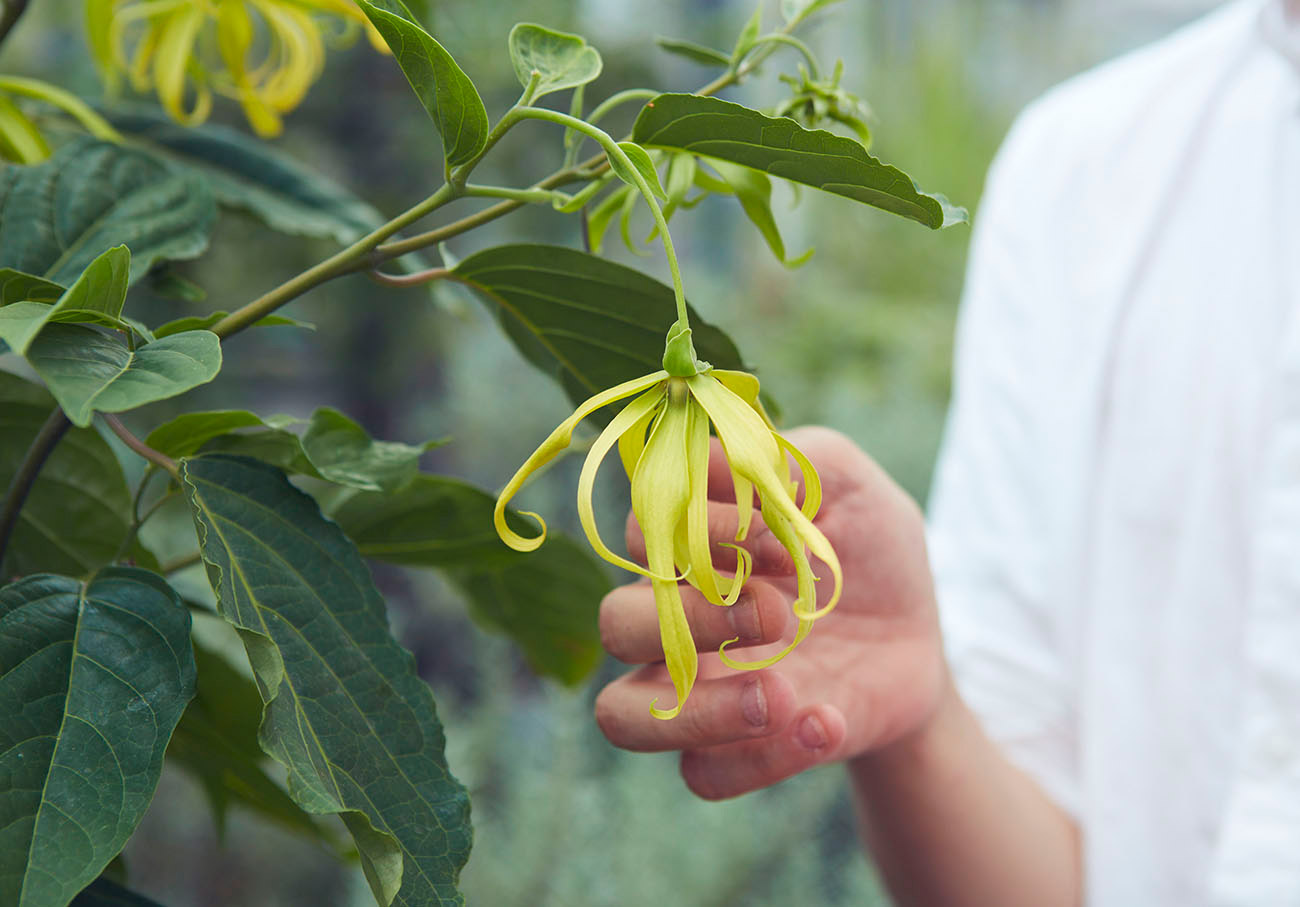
[216, 741]
[641, 165]
[346, 713]
[546, 600]
[754, 192]
[560, 59]
[442, 87]
[589, 323]
[696, 53]
[204, 322]
[96, 297]
[252, 176]
[89, 372]
[104, 892]
[78, 510]
[57, 217]
[781, 147]
[95, 679]
[15, 286]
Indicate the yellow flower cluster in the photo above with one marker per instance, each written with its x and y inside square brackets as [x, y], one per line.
[663, 441]
[264, 53]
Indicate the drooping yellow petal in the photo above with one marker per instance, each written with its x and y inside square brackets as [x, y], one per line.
[812, 484]
[660, 491]
[752, 451]
[704, 576]
[173, 59]
[550, 449]
[642, 407]
[632, 442]
[20, 140]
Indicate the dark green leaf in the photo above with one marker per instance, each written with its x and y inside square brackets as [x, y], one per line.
[561, 60]
[89, 372]
[104, 892]
[187, 433]
[641, 164]
[346, 712]
[342, 452]
[781, 147]
[164, 281]
[95, 679]
[546, 600]
[203, 322]
[15, 286]
[596, 323]
[754, 192]
[216, 741]
[78, 510]
[96, 297]
[442, 87]
[57, 217]
[698, 53]
[253, 176]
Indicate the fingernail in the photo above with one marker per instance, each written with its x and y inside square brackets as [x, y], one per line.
[753, 704]
[811, 734]
[743, 616]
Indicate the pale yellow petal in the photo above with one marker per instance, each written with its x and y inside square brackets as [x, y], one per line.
[550, 449]
[812, 484]
[172, 61]
[699, 554]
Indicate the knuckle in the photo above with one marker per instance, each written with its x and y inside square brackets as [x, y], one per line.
[608, 716]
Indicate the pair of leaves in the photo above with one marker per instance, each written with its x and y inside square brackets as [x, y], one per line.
[546, 600]
[94, 679]
[333, 447]
[345, 713]
[78, 511]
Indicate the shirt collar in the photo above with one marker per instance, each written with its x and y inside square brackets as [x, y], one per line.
[1280, 24]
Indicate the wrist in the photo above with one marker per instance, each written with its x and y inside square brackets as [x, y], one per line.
[922, 744]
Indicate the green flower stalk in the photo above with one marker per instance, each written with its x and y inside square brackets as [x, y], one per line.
[663, 441]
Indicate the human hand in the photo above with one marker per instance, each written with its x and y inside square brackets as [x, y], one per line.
[870, 673]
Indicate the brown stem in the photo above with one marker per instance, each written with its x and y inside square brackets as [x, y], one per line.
[21, 485]
[153, 456]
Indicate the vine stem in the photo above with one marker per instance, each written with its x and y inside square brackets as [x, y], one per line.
[153, 456]
[49, 435]
[615, 153]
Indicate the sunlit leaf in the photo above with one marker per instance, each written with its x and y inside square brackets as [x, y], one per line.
[96, 297]
[781, 147]
[442, 87]
[89, 372]
[94, 680]
[78, 510]
[346, 713]
[15, 286]
[561, 60]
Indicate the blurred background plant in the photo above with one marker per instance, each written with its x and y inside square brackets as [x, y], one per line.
[860, 341]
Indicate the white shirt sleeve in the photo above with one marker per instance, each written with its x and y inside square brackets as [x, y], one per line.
[990, 511]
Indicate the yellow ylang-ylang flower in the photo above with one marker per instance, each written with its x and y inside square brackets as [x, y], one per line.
[663, 441]
[263, 53]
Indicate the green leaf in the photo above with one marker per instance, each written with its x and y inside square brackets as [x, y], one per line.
[104, 892]
[346, 713]
[342, 452]
[595, 323]
[545, 600]
[603, 214]
[167, 283]
[798, 9]
[642, 164]
[562, 60]
[783, 148]
[96, 297]
[697, 53]
[57, 217]
[754, 192]
[15, 286]
[748, 35]
[203, 322]
[95, 679]
[442, 87]
[333, 448]
[252, 176]
[89, 372]
[79, 508]
[216, 741]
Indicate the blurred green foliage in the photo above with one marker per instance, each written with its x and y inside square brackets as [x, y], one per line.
[858, 339]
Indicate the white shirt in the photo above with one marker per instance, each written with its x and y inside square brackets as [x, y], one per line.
[1116, 516]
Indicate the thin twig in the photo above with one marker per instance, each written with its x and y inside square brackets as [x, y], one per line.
[21, 485]
[153, 456]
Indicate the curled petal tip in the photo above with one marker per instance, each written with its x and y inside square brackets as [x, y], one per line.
[664, 714]
[514, 539]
